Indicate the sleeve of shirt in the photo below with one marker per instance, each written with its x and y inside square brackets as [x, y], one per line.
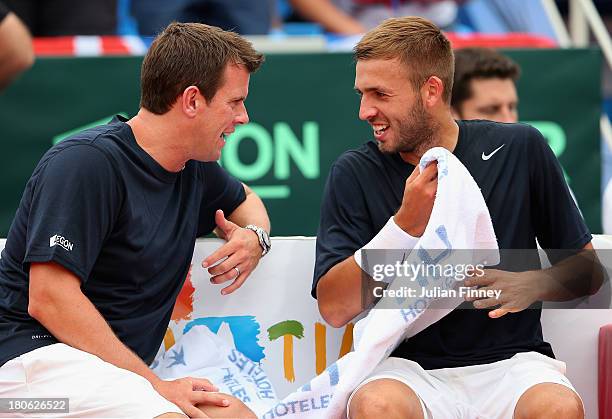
[221, 191]
[345, 225]
[3, 11]
[74, 202]
[558, 222]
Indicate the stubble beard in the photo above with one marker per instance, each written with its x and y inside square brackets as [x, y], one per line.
[417, 132]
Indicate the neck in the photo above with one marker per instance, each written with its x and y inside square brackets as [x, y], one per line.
[446, 135]
[157, 135]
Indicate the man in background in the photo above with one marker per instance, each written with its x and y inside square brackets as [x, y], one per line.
[484, 86]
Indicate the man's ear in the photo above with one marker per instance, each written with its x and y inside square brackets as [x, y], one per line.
[190, 100]
[432, 91]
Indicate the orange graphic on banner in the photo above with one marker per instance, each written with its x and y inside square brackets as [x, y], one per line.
[320, 347]
[169, 339]
[288, 358]
[184, 302]
[288, 330]
[347, 340]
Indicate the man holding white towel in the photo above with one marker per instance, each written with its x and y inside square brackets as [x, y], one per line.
[472, 363]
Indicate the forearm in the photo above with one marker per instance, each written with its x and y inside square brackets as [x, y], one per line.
[73, 319]
[576, 276]
[16, 52]
[344, 292]
[251, 211]
[328, 15]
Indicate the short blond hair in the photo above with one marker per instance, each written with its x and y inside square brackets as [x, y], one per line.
[417, 43]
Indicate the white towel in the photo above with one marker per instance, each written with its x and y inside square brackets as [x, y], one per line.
[459, 220]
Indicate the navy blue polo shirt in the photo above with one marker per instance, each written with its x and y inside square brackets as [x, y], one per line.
[104, 209]
[527, 197]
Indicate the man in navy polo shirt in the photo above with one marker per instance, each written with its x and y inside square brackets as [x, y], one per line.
[491, 362]
[104, 234]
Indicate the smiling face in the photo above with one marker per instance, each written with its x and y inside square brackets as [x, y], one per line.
[494, 99]
[219, 117]
[391, 106]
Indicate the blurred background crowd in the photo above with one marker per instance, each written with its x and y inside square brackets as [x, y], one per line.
[258, 17]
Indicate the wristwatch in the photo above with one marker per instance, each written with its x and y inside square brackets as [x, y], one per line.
[262, 235]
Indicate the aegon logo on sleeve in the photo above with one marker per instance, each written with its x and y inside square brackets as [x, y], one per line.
[60, 241]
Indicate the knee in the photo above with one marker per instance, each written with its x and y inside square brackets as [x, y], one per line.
[553, 401]
[374, 404]
[236, 409]
[367, 404]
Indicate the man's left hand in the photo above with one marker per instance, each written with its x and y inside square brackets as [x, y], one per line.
[242, 252]
[518, 291]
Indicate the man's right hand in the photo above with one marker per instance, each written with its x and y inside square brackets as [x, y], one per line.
[418, 200]
[189, 392]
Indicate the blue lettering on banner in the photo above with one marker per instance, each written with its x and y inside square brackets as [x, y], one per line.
[240, 393]
[334, 374]
[408, 314]
[418, 306]
[292, 405]
[298, 406]
[449, 282]
[278, 411]
[234, 387]
[443, 235]
[304, 406]
[422, 281]
[253, 373]
[415, 309]
[400, 300]
[442, 167]
[266, 394]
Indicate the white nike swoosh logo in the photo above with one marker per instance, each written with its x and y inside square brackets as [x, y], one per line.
[486, 157]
